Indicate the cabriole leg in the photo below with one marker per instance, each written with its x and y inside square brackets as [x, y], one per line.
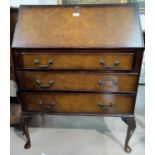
[24, 126]
[130, 121]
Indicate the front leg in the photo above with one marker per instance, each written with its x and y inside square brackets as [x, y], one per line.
[24, 126]
[130, 121]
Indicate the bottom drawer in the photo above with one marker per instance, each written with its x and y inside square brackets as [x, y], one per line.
[77, 103]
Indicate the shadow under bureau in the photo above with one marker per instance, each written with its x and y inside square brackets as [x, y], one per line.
[78, 60]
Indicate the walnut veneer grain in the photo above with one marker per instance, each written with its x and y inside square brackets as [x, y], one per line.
[84, 103]
[78, 81]
[83, 59]
[78, 60]
[100, 27]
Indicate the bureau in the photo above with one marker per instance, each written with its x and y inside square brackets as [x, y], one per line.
[78, 60]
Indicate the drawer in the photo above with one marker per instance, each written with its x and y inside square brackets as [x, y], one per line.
[77, 103]
[87, 61]
[90, 81]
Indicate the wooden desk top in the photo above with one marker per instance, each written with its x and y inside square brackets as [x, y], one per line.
[93, 26]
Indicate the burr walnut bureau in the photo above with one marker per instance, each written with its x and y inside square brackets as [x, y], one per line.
[78, 60]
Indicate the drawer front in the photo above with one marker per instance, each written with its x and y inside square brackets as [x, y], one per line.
[77, 103]
[96, 61]
[78, 81]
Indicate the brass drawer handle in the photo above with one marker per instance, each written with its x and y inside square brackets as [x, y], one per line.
[50, 83]
[102, 82]
[39, 65]
[46, 107]
[102, 62]
[102, 106]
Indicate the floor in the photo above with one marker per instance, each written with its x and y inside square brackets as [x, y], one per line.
[79, 135]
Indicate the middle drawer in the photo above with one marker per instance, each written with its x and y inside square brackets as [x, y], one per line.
[76, 81]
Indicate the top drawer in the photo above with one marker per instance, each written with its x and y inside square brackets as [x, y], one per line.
[84, 61]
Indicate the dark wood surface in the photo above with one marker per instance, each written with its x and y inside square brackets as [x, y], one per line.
[98, 26]
[13, 21]
[77, 81]
[90, 64]
[91, 59]
[81, 61]
[131, 127]
[76, 103]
